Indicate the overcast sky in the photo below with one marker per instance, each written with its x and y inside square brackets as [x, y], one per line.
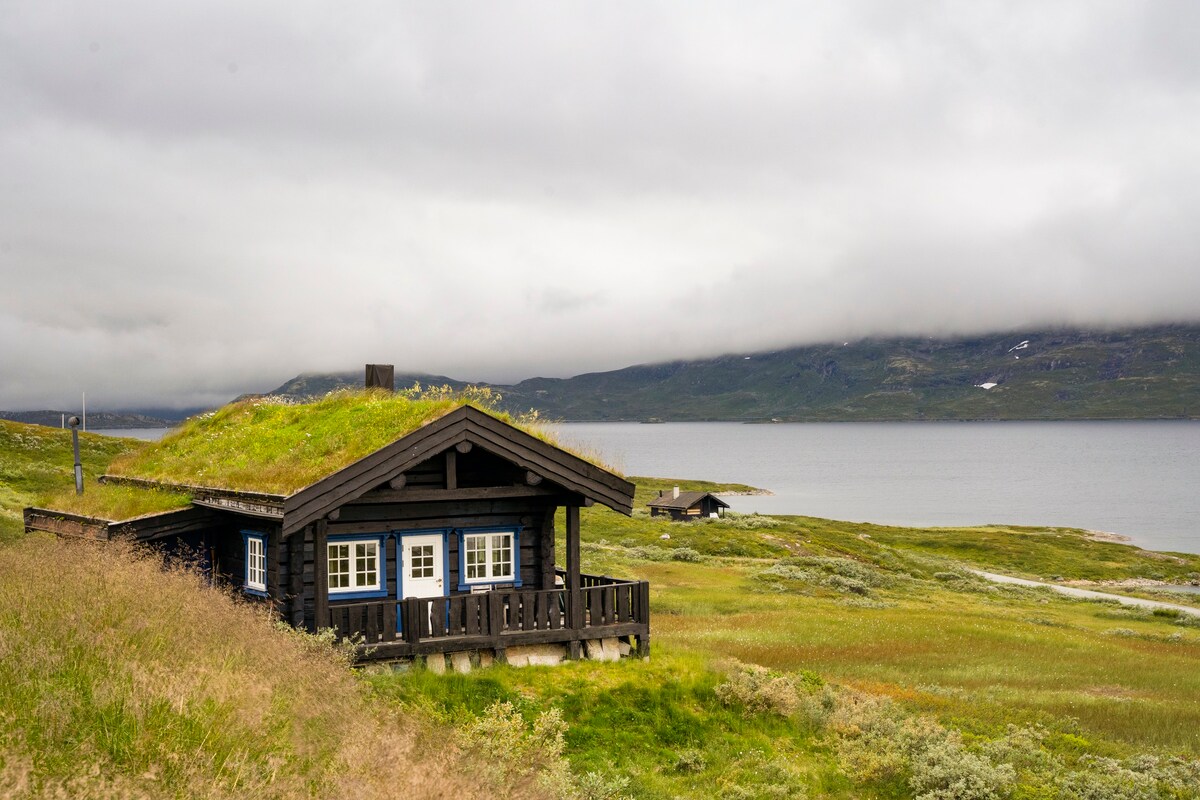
[199, 199]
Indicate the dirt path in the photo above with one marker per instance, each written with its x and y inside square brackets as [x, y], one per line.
[1088, 593]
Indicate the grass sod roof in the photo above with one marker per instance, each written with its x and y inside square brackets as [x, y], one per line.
[272, 446]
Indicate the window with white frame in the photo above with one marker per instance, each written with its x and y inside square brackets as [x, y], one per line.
[354, 566]
[488, 556]
[256, 562]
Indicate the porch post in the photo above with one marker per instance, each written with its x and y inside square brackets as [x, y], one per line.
[574, 596]
[320, 576]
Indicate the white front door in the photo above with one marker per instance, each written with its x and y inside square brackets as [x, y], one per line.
[422, 570]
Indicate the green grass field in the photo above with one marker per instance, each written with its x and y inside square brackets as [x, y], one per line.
[1071, 694]
[791, 657]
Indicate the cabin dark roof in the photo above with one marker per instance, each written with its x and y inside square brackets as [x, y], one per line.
[685, 500]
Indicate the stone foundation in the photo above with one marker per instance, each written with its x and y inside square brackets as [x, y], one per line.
[532, 655]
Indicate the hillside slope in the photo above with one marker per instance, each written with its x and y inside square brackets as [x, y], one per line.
[1150, 373]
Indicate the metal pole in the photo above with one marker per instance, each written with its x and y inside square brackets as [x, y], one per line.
[74, 423]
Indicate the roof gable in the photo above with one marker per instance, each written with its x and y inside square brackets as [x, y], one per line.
[464, 424]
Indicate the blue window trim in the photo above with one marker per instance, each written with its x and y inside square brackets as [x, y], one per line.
[444, 533]
[381, 538]
[246, 537]
[463, 584]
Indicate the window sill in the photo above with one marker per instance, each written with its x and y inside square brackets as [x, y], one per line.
[255, 592]
[489, 585]
[373, 594]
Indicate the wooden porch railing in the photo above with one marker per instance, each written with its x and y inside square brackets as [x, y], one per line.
[496, 619]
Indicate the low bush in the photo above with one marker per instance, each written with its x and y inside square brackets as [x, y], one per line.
[839, 574]
[691, 760]
[946, 771]
[521, 754]
[761, 690]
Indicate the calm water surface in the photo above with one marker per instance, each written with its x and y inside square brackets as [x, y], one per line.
[149, 434]
[1139, 479]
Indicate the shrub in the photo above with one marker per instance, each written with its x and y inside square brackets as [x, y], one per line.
[945, 771]
[840, 574]
[760, 690]
[685, 554]
[749, 522]
[1106, 779]
[791, 573]
[844, 567]
[763, 778]
[850, 585]
[1023, 748]
[516, 752]
[599, 786]
[690, 760]
[651, 552]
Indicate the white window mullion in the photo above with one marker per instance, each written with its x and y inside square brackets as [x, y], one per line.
[354, 566]
[256, 562]
[488, 556]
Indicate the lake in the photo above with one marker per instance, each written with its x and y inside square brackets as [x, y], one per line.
[147, 434]
[1138, 479]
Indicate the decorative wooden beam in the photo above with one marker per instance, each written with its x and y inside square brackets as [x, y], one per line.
[471, 493]
[532, 478]
[398, 481]
[247, 507]
[451, 469]
[574, 600]
[320, 576]
[463, 447]
[332, 516]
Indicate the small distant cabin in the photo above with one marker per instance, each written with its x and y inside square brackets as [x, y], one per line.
[440, 540]
[687, 505]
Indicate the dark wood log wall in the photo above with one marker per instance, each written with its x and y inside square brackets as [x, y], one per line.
[296, 566]
[473, 469]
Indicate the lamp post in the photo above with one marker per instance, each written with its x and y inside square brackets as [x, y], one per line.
[74, 423]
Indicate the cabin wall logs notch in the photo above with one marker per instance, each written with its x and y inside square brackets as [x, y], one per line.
[442, 542]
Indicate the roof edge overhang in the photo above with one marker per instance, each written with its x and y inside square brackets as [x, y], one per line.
[142, 528]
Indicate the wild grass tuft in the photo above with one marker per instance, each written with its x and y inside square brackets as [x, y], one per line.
[118, 678]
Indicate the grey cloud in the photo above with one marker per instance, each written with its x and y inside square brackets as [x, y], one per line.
[200, 199]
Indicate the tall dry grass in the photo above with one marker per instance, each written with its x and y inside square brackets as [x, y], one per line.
[119, 678]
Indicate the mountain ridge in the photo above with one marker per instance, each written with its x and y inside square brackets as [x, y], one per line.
[1141, 373]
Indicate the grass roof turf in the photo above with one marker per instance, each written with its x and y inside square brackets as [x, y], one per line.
[277, 447]
[271, 445]
[114, 502]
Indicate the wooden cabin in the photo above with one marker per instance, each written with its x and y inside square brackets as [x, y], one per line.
[687, 505]
[441, 541]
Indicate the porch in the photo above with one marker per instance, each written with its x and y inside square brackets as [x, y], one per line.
[601, 608]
